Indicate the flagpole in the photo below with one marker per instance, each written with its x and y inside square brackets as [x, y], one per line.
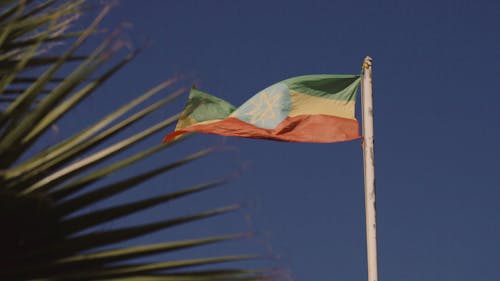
[369, 169]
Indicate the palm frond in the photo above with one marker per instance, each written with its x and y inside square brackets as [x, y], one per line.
[47, 196]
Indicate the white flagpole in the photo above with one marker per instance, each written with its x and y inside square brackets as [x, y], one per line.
[369, 169]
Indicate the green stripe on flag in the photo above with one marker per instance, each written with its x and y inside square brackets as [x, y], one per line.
[337, 87]
[202, 107]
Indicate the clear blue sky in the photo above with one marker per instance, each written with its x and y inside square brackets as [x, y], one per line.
[436, 102]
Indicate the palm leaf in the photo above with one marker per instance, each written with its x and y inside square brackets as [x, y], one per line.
[48, 196]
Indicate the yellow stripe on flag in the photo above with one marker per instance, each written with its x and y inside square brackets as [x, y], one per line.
[303, 104]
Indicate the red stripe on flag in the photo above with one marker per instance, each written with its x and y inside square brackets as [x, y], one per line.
[302, 128]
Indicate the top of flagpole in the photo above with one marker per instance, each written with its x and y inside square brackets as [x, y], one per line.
[367, 63]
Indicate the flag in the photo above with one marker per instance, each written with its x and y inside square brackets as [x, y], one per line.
[311, 108]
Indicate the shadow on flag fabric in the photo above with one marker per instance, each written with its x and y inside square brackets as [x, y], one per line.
[311, 108]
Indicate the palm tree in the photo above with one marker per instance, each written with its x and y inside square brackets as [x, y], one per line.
[44, 234]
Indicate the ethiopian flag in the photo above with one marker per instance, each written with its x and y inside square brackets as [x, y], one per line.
[311, 108]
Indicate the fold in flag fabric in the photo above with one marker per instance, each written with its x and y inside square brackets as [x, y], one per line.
[311, 108]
